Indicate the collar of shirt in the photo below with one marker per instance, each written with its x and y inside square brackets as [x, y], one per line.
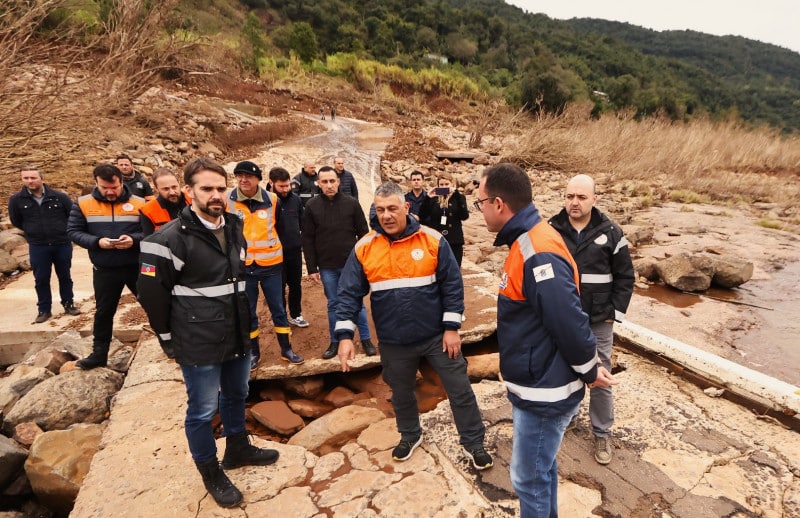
[208, 224]
[257, 196]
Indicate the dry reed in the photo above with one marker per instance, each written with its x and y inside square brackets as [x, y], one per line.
[723, 160]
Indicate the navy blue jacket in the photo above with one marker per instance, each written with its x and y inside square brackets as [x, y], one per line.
[289, 222]
[547, 350]
[44, 224]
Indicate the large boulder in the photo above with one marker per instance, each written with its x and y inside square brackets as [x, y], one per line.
[8, 263]
[646, 267]
[21, 380]
[336, 428]
[731, 271]
[680, 272]
[10, 239]
[58, 462]
[60, 401]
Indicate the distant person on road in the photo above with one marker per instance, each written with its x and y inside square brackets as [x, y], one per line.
[288, 227]
[106, 222]
[322, 112]
[333, 112]
[417, 195]
[132, 178]
[41, 212]
[305, 182]
[167, 205]
[417, 297]
[191, 286]
[347, 182]
[606, 285]
[547, 351]
[444, 210]
[260, 211]
[332, 224]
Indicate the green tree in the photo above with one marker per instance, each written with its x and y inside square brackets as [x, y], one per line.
[255, 44]
[303, 41]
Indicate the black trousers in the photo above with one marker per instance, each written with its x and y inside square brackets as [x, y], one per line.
[108, 285]
[292, 275]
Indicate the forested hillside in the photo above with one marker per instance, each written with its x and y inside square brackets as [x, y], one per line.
[543, 63]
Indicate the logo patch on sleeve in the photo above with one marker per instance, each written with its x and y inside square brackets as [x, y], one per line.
[148, 269]
[543, 272]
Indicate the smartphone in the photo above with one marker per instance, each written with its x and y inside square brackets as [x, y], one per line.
[117, 240]
[442, 191]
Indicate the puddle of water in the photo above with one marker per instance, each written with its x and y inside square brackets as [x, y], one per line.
[670, 296]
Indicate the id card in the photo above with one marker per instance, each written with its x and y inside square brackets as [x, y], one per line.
[443, 221]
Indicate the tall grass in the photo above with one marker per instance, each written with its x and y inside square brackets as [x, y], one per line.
[723, 160]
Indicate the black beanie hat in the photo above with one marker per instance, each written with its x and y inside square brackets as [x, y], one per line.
[248, 167]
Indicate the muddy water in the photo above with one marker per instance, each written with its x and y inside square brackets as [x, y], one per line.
[767, 337]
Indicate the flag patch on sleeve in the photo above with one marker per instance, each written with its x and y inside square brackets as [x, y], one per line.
[148, 269]
[543, 272]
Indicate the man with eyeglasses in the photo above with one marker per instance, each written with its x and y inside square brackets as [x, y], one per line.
[607, 277]
[547, 350]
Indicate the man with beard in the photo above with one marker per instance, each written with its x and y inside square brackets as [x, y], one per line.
[166, 206]
[106, 222]
[191, 286]
[288, 227]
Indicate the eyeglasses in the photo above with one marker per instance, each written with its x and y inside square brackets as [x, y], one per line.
[477, 203]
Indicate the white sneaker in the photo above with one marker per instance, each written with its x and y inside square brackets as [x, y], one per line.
[299, 321]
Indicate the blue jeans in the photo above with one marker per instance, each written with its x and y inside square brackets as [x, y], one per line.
[220, 386]
[272, 287]
[43, 258]
[330, 283]
[534, 472]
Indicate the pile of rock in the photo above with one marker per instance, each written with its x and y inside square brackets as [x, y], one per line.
[695, 272]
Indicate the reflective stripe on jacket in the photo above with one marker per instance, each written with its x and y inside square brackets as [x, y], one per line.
[547, 350]
[94, 217]
[416, 287]
[263, 245]
[159, 214]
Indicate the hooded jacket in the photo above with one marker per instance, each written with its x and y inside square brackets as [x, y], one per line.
[415, 285]
[547, 350]
[604, 261]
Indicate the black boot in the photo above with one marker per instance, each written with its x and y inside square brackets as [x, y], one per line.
[239, 452]
[98, 358]
[331, 351]
[218, 485]
[369, 349]
[255, 353]
[287, 353]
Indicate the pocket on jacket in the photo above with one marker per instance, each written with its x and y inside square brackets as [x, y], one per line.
[205, 324]
[601, 306]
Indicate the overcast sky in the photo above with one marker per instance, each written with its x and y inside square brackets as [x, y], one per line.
[770, 21]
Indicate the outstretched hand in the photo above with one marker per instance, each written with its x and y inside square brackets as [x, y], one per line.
[603, 379]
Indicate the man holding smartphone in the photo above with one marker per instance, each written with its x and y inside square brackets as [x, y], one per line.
[106, 222]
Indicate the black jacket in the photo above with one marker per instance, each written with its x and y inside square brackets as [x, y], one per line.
[138, 185]
[604, 263]
[44, 224]
[193, 291]
[103, 218]
[331, 228]
[289, 222]
[430, 214]
[306, 187]
[347, 183]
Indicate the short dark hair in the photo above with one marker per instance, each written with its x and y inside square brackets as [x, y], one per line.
[123, 156]
[198, 164]
[163, 171]
[32, 168]
[327, 168]
[387, 189]
[510, 183]
[278, 174]
[416, 173]
[107, 173]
